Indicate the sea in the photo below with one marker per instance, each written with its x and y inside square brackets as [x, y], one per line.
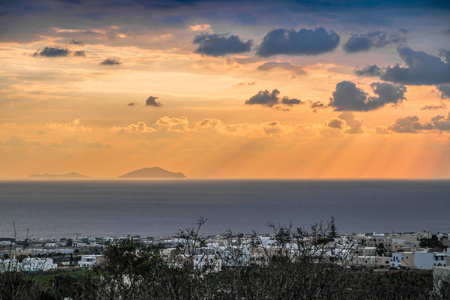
[151, 208]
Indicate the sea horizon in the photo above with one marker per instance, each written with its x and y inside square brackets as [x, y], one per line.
[120, 207]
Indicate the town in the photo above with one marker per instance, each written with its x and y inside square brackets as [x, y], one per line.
[285, 263]
[382, 251]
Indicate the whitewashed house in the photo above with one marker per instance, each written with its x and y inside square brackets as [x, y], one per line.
[88, 261]
[428, 260]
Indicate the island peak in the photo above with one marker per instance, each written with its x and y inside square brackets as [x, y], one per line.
[68, 175]
[154, 172]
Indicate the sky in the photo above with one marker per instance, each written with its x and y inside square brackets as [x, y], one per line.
[225, 89]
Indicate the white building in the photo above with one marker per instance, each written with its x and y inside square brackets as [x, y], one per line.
[38, 264]
[27, 265]
[88, 261]
[428, 260]
[402, 259]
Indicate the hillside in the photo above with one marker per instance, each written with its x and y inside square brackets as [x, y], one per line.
[154, 172]
[68, 175]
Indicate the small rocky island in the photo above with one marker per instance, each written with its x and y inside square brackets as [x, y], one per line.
[68, 175]
[155, 172]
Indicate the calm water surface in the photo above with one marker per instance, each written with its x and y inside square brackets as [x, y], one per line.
[162, 207]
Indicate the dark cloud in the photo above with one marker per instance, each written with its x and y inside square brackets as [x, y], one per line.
[302, 42]
[132, 104]
[409, 125]
[52, 52]
[403, 30]
[421, 69]
[282, 65]
[336, 124]
[445, 90]
[371, 71]
[73, 42]
[363, 42]
[412, 125]
[264, 98]
[348, 97]
[221, 44]
[441, 123]
[315, 105]
[111, 62]
[79, 53]
[271, 99]
[151, 101]
[290, 102]
[434, 107]
[244, 84]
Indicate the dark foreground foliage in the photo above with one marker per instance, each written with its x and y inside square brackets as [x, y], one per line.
[298, 267]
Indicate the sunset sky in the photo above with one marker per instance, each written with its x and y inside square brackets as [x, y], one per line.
[225, 89]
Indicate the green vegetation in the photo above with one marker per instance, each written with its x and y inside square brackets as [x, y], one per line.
[432, 243]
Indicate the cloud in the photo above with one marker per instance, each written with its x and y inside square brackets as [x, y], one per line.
[220, 44]
[173, 124]
[411, 124]
[151, 101]
[434, 107]
[273, 127]
[79, 53]
[315, 105]
[242, 129]
[441, 123]
[201, 27]
[139, 127]
[111, 62]
[73, 42]
[244, 84]
[264, 98]
[421, 69]
[408, 125]
[364, 42]
[271, 99]
[336, 124]
[348, 97]
[72, 126]
[445, 55]
[302, 42]
[355, 125]
[445, 90]
[210, 124]
[371, 71]
[289, 102]
[132, 104]
[348, 122]
[52, 52]
[281, 65]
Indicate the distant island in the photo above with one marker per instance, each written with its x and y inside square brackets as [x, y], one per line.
[68, 175]
[154, 172]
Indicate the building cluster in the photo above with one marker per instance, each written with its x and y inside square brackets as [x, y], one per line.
[401, 250]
